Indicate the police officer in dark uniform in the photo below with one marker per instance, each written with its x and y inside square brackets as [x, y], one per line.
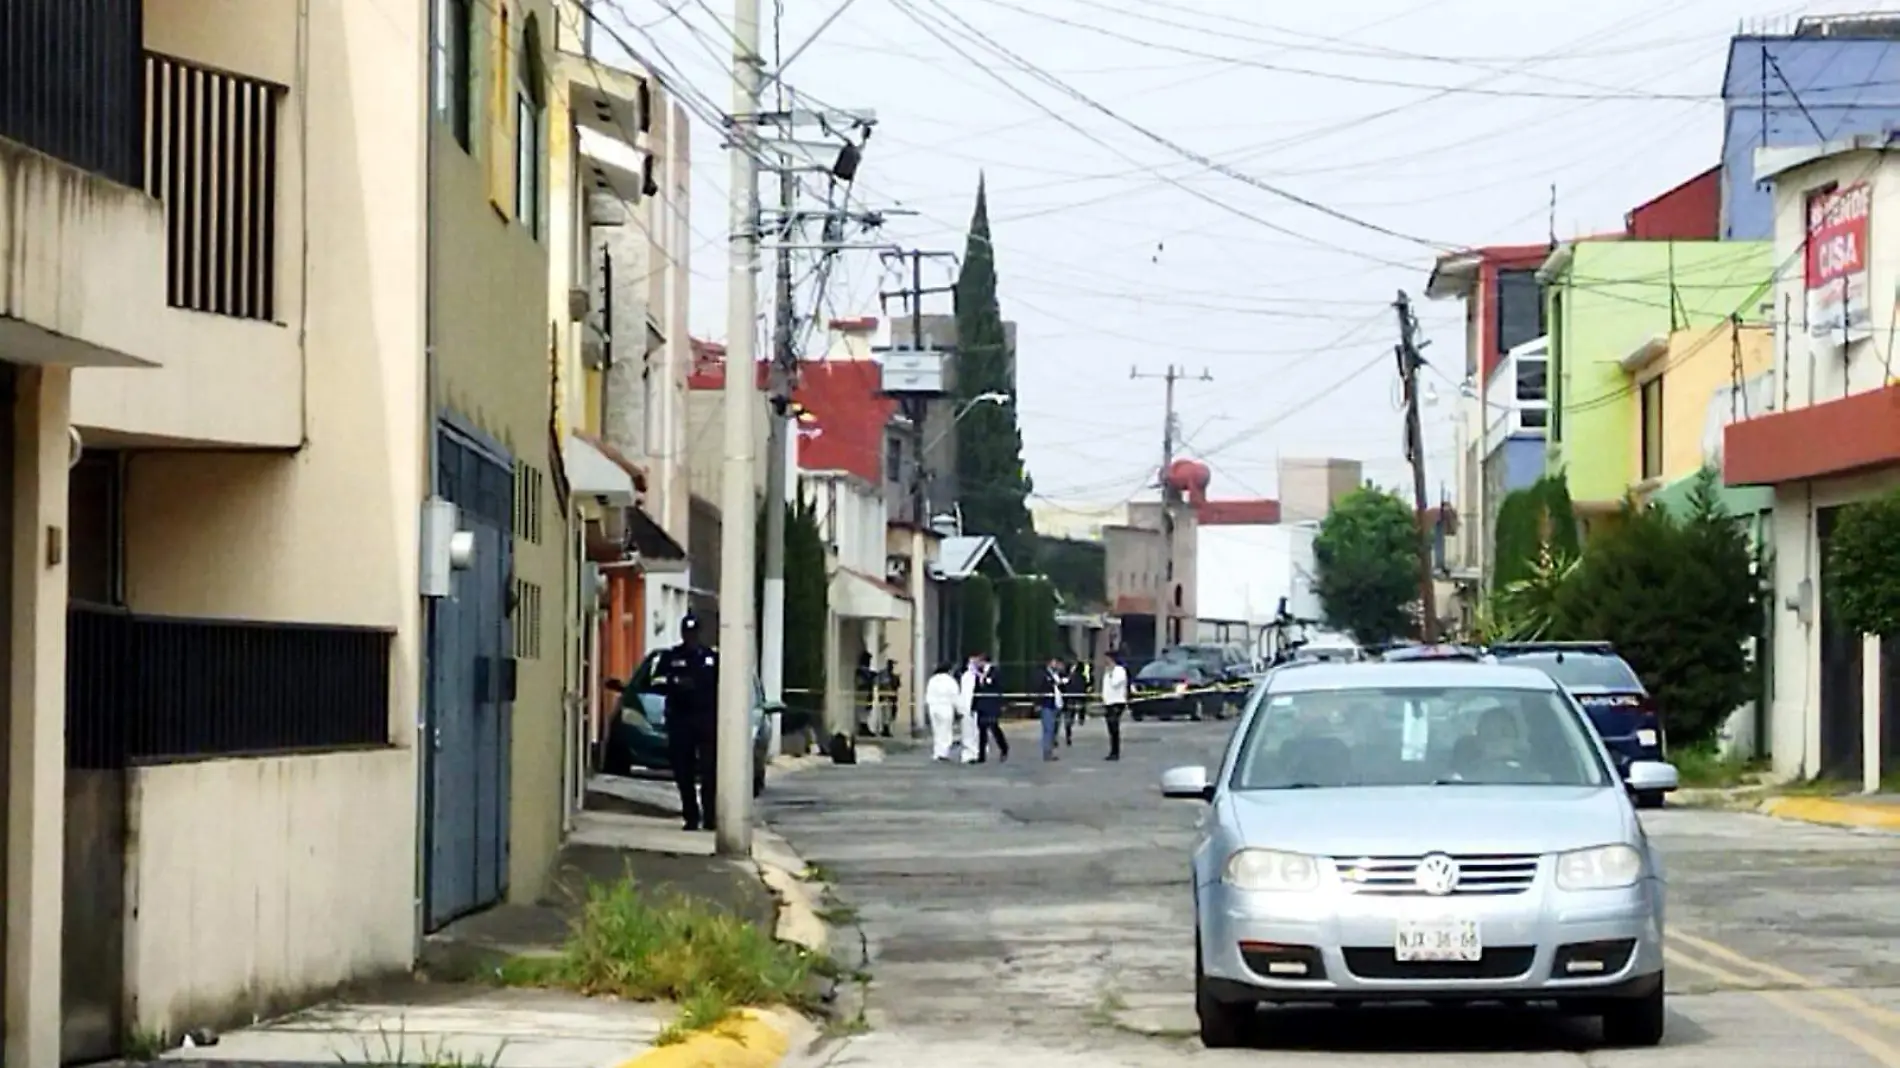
[688, 676]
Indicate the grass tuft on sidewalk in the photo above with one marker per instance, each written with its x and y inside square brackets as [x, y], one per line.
[1702, 767]
[667, 947]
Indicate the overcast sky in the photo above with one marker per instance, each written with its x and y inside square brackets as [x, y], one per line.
[1400, 123]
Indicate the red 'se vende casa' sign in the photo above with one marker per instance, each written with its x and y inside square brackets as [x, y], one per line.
[1837, 234]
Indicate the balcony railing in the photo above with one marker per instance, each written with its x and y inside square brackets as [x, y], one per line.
[152, 689]
[211, 157]
[69, 81]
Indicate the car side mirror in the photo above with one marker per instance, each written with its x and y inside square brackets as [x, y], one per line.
[1651, 776]
[1187, 783]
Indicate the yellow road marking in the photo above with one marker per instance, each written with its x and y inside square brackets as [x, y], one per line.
[1877, 1048]
[1860, 1005]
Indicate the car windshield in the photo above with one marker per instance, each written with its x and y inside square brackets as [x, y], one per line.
[1590, 670]
[1164, 671]
[1416, 736]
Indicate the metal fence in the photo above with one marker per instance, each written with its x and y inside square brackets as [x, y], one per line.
[154, 689]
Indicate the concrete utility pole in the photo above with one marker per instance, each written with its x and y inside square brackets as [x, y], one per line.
[1170, 497]
[1409, 363]
[737, 642]
[777, 477]
[791, 157]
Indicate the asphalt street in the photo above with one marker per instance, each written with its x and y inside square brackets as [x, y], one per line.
[1038, 914]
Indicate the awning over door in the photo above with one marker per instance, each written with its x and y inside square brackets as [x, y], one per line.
[592, 473]
[855, 595]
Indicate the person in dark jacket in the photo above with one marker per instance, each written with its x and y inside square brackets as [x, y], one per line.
[1051, 693]
[987, 704]
[688, 676]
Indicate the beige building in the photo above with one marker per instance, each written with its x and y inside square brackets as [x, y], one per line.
[618, 153]
[273, 313]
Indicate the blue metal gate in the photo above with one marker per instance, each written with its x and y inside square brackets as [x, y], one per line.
[471, 688]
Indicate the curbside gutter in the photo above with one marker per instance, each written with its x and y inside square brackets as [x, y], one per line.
[783, 871]
[1835, 812]
[752, 1039]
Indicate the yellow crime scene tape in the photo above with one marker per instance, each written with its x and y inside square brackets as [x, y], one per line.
[1026, 705]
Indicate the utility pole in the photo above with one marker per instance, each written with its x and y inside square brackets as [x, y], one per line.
[916, 409]
[777, 458]
[1170, 496]
[792, 157]
[1409, 363]
[737, 642]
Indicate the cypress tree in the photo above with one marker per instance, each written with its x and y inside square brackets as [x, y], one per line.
[977, 604]
[992, 482]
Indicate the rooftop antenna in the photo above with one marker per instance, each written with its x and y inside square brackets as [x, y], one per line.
[1553, 215]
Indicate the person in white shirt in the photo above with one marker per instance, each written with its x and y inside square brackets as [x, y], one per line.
[970, 738]
[942, 696]
[1114, 702]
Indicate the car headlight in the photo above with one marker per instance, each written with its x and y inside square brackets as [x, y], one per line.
[1270, 869]
[1608, 867]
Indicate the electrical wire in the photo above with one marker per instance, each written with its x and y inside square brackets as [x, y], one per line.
[1393, 83]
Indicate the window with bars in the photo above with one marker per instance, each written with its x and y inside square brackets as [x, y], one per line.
[530, 488]
[527, 620]
[211, 159]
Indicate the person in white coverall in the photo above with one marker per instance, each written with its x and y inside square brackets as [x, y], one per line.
[966, 705]
[941, 695]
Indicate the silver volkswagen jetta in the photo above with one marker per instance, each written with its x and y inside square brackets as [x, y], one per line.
[1440, 832]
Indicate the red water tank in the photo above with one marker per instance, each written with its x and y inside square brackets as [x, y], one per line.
[1189, 478]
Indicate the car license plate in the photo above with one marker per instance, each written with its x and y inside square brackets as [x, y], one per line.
[1646, 737]
[1438, 940]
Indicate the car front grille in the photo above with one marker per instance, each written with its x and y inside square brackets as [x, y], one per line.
[1478, 873]
[1504, 962]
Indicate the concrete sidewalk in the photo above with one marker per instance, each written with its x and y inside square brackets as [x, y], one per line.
[491, 1028]
[1880, 812]
[449, 1014]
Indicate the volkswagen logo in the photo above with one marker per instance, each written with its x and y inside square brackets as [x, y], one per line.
[1437, 875]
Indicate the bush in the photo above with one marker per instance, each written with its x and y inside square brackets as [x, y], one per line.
[976, 603]
[1863, 579]
[1679, 600]
[667, 947]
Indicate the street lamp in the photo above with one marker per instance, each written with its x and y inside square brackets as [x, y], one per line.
[992, 397]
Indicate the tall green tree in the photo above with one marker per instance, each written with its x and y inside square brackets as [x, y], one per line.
[1367, 557]
[807, 603]
[992, 483]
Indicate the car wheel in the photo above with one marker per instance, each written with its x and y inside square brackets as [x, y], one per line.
[1649, 800]
[1636, 1021]
[1136, 717]
[1223, 1024]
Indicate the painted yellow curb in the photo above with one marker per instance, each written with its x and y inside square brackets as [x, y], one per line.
[1834, 812]
[749, 1040]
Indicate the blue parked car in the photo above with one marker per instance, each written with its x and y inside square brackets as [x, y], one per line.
[637, 736]
[1607, 687]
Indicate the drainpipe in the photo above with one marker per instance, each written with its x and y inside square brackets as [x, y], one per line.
[426, 605]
